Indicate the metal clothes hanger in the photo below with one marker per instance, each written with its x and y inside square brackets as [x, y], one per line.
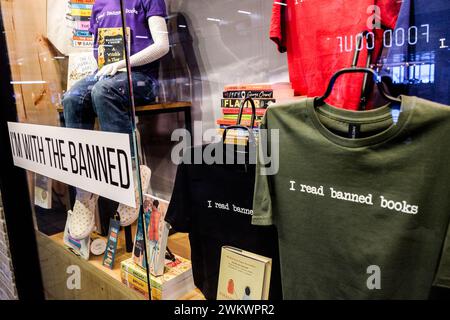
[251, 143]
[321, 100]
[238, 126]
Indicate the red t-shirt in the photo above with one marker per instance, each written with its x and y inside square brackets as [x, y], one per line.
[320, 38]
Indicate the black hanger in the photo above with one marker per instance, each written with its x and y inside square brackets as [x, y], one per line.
[238, 126]
[321, 100]
[365, 90]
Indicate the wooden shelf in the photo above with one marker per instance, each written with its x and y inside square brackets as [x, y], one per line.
[153, 107]
[101, 282]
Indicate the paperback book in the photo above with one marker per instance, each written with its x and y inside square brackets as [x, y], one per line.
[156, 233]
[259, 112]
[244, 117]
[254, 94]
[111, 45]
[236, 103]
[81, 65]
[243, 275]
[231, 122]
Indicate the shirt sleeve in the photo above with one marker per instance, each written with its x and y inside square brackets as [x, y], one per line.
[262, 198]
[154, 8]
[178, 213]
[389, 10]
[442, 278]
[277, 28]
[93, 21]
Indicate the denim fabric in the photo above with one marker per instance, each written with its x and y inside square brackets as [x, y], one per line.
[108, 99]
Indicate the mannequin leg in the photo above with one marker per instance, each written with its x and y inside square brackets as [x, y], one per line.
[79, 114]
[77, 103]
[110, 99]
[78, 110]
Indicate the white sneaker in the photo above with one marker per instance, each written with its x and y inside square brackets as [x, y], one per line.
[82, 217]
[127, 214]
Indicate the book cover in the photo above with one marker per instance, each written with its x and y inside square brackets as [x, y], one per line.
[248, 86]
[243, 275]
[111, 45]
[255, 130]
[82, 33]
[75, 12]
[133, 283]
[276, 90]
[229, 122]
[42, 191]
[242, 94]
[276, 86]
[244, 117]
[77, 18]
[82, 44]
[84, 38]
[83, 1]
[81, 6]
[81, 25]
[81, 65]
[156, 231]
[259, 112]
[236, 103]
[236, 141]
[237, 133]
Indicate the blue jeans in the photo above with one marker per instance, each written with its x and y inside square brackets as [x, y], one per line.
[108, 99]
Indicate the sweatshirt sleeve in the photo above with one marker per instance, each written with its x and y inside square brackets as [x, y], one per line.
[262, 198]
[277, 27]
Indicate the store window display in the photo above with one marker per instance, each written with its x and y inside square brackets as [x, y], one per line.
[348, 203]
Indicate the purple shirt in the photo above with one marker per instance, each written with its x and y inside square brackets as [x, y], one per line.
[106, 14]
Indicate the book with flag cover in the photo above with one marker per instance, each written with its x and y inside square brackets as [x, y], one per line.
[236, 103]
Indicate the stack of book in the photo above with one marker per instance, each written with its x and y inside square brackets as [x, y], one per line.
[79, 16]
[176, 281]
[263, 95]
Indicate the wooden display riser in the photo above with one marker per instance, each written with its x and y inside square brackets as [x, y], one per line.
[97, 281]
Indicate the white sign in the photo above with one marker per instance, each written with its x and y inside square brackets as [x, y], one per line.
[95, 161]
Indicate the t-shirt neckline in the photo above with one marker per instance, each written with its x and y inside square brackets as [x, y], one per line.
[406, 107]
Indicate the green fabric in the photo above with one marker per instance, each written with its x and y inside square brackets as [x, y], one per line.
[329, 246]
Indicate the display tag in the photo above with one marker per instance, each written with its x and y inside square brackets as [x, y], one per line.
[354, 130]
[111, 247]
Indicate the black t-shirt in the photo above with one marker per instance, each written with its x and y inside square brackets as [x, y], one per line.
[213, 203]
